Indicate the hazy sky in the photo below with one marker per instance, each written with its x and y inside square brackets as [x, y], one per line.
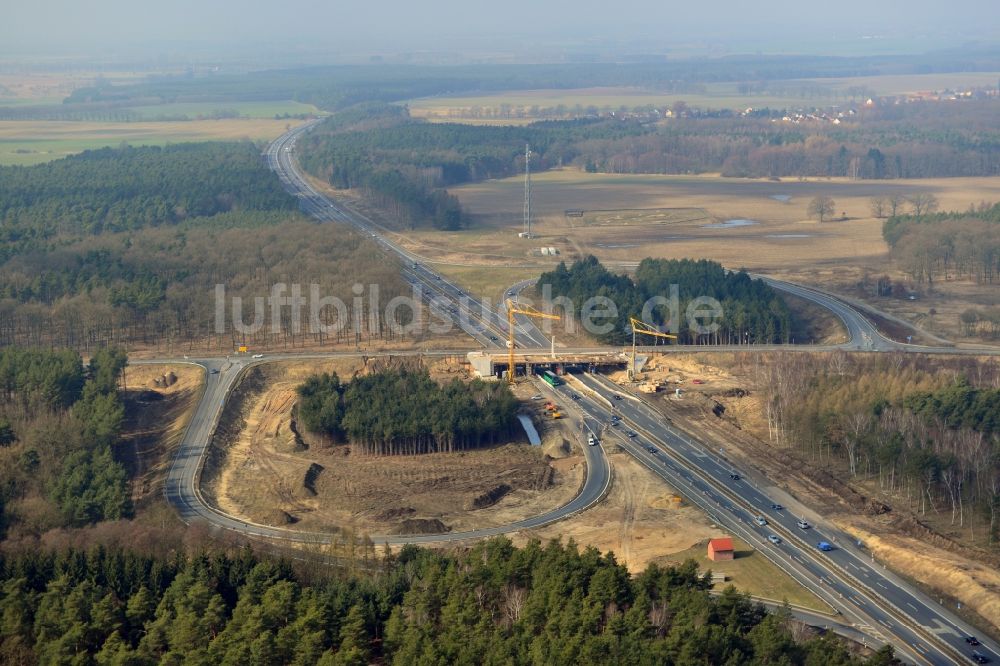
[378, 25]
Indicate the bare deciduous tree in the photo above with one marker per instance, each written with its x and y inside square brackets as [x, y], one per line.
[879, 207]
[821, 207]
[923, 203]
[896, 202]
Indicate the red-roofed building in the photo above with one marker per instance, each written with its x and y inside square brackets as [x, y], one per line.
[720, 549]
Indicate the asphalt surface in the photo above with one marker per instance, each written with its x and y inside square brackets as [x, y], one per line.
[847, 577]
[871, 599]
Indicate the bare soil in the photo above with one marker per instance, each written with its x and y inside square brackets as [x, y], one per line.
[271, 473]
[155, 419]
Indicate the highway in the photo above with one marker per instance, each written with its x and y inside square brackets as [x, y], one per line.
[847, 577]
[870, 598]
[485, 324]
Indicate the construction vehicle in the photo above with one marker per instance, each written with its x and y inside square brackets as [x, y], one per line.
[556, 414]
[639, 326]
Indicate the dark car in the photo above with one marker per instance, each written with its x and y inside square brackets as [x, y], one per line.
[616, 396]
[777, 507]
[576, 396]
[824, 546]
[493, 338]
[972, 640]
[633, 433]
[734, 476]
[213, 371]
[979, 658]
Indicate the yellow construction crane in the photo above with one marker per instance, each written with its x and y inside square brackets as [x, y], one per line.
[639, 326]
[519, 310]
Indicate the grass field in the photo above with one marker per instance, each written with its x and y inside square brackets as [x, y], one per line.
[29, 86]
[195, 110]
[753, 573]
[782, 237]
[724, 96]
[792, 93]
[901, 84]
[32, 142]
[629, 217]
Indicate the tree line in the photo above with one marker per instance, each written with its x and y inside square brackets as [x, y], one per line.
[929, 245]
[60, 422]
[402, 411]
[404, 165]
[338, 87]
[125, 247]
[156, 287]
[925, 435]
[751, 313]
[126, 189]
[492, 603]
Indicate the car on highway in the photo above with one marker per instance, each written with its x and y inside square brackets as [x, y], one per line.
[774, 538]
[616, 396]
[979, 657]
[591, 440]
[213, 371]
[652, 449]
[803, 525]
[777, 507]
[575, 396]
[972, 640]
[734, 476]
[632, 433]
[824, 546]
[537, 396]
[258, 356]
[493, 338]
[760, 520]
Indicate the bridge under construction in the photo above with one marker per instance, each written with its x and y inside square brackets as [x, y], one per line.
[494, 365]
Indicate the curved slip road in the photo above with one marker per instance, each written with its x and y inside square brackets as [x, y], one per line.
[488, 326]
[182, 486]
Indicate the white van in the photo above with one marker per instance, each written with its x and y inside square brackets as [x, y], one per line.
[591, 440]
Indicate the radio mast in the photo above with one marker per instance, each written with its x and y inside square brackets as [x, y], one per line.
[527, 192]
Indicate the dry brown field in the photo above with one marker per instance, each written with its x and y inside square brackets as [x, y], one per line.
[629, 217]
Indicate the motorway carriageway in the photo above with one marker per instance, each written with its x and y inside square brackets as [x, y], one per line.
[924, 632]
[846, 577]
[484, 324]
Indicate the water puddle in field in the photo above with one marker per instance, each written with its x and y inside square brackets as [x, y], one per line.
[783, 198]
[729, 224]
[790, 236]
